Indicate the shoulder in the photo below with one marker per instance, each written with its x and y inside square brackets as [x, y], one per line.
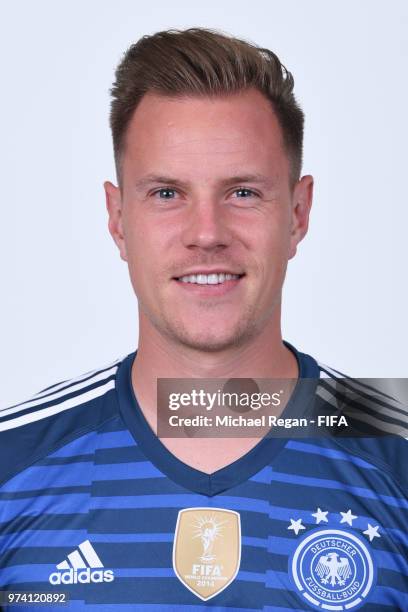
[54, 416]
[379, 404]
[377, 413]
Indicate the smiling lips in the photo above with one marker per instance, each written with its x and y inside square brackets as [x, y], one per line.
[209, 279]
[209, 284]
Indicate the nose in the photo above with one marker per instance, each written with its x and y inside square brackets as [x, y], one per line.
[206, 226]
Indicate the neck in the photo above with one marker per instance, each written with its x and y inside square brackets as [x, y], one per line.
[263, 356]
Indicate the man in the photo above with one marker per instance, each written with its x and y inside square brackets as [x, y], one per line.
[210, 206]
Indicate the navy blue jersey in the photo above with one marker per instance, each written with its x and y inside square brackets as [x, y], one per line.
[93, 505]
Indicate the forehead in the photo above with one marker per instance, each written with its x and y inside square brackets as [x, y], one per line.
[199, 134]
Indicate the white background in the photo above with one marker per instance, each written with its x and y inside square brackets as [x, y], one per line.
[66, 303]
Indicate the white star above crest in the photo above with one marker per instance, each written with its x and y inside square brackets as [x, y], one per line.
[320, 516]
[348, 517]
[372, 532]
[296, 526]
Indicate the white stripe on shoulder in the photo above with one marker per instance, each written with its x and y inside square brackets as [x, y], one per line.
[76, 379]
[64, 388]
[46, 412]
[54, 396]
[362, 385]
[376, 420]
[328, 372]
[368, 393]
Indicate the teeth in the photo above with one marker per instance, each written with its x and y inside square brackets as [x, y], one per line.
[208, 279]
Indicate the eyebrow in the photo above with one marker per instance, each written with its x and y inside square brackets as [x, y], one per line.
[150, 179]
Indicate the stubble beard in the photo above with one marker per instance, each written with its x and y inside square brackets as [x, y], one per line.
[246, 328]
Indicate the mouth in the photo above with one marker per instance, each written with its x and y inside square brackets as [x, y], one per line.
[209, 284]
[208, 279]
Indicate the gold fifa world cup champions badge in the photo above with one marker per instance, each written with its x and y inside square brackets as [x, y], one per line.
[207, 549]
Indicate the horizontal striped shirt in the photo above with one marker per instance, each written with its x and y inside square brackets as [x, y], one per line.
[92, 504]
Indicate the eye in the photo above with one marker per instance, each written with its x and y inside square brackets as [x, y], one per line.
[165, 193]
[243, 192]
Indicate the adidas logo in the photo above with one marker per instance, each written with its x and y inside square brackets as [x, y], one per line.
[83, 566]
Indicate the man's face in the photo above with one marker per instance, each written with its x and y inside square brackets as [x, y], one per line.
[207, 219]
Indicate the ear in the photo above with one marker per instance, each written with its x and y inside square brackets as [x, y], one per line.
[301, 205]
[115, 223]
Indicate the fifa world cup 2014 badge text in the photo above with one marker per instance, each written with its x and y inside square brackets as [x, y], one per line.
[207, 549]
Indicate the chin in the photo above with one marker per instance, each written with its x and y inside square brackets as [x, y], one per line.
[214, 341]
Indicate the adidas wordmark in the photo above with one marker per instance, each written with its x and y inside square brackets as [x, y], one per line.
[81, 568]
